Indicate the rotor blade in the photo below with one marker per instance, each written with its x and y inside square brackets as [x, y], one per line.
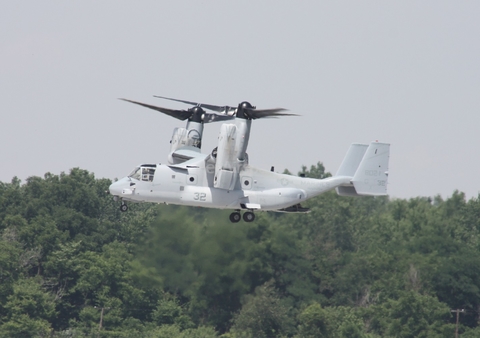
[260, 113]
[178, 114]
[203, 105]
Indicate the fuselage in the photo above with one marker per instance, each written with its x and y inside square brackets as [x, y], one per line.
[193, 185]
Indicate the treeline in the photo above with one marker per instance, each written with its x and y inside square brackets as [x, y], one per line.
[73, 265]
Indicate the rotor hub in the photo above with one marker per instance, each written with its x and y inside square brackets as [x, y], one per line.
[246, 105]
[243, 110]
[197, 114]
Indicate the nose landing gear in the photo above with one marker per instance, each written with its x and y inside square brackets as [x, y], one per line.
[123, 207]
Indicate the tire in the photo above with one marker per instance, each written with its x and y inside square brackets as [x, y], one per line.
[249, 216]
[123, 208]
[235, 217]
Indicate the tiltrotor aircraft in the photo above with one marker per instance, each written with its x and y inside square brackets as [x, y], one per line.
[224, 179]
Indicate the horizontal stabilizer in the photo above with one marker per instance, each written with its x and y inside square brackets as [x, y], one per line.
[347, 191]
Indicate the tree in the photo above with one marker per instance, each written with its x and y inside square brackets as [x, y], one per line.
[336, 322]
[313, 322]
[378, 266]
[414, 315]
[316, 171]
[169, 312]
[28, 310]
[263, 314]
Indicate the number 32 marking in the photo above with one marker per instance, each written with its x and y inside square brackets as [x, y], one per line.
[200, 196]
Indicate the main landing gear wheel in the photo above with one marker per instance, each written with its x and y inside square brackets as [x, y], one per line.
[235, 217]
[249, 216]
[123, 207]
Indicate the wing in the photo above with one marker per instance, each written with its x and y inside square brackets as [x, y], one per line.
[185, 157]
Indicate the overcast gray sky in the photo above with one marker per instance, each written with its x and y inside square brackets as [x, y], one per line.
[402, 72]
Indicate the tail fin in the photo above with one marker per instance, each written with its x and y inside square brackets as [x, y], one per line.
[352, 160]
[371, 175]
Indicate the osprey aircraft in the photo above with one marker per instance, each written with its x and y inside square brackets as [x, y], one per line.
[224, 179]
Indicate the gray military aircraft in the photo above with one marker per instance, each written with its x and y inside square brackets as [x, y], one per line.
[224, 179]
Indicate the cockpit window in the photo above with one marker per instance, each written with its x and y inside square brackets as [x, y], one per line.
[147, 174]
[143, 173]
[135, 173]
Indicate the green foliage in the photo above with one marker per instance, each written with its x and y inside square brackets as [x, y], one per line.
[316, 171]
[70, 261]
[263, 314]
[313, 322]
[24, 326]
[174, 331]
[29, 310]
[10, 252]
[340, 322]
[68, 234]
[170, 312]
[414, 315]
[211, 265]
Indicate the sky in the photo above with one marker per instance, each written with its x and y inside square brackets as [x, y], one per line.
[401, 72]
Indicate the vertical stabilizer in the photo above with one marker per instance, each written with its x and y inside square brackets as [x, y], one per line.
[352, 160]
[372, 174]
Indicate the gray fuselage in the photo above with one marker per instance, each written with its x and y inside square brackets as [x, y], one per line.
[193, 185]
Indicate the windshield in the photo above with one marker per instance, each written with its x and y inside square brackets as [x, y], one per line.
[135, 173]
[143, 173]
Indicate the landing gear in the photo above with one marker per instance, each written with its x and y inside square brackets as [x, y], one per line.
[235, 217]
[249, 216]
[123, 207]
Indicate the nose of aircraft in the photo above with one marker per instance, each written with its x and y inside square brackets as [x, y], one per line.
[116, 188]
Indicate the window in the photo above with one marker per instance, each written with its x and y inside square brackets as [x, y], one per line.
[143, 173]
[147, 174]
[135, 173]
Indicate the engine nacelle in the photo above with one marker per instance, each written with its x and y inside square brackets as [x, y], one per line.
[187, 137]
[225, 165]
[179, 139]
[243, 132]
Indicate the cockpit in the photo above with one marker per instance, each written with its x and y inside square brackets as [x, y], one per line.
[145, 172]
